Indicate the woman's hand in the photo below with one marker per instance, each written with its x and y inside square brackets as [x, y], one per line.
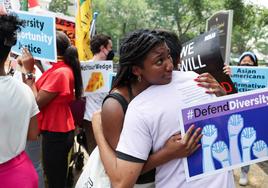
[179, 147]
[27, 60]
[227, 70]
[207, 81]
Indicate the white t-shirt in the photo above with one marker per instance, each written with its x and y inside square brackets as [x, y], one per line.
[152, 117]
[93, 104]
[18, 105]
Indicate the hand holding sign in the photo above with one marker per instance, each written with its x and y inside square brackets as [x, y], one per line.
[27, 60]
[190, 142]
[206, 80]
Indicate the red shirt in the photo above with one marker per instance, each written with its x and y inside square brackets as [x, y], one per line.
[56, 116]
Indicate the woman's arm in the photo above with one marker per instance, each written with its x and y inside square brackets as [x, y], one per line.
[112, 117]
[33, 131]
[122, 173]
[175, 147]
[42, 97]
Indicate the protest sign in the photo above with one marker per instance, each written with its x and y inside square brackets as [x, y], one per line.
[38, 35]
[202, 54]
[232, 135]
[66, 25]
[223, 21]
[249, 78]
[96, 76]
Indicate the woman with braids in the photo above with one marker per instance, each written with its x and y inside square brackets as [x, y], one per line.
[18, 120]
[144, 60]
[54, 91]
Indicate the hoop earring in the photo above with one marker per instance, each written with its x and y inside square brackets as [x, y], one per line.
[139, 78]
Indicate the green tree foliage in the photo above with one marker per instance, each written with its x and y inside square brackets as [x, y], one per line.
[185, 17]
[60, 6]
[182, 16]
[117, 17]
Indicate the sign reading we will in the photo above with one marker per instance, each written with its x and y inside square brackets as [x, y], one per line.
[38, 35]
[202, 54]
[249, 78]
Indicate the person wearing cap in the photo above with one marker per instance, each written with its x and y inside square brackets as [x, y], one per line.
[248, 59]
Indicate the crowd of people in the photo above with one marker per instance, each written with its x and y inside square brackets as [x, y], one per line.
[135, 125]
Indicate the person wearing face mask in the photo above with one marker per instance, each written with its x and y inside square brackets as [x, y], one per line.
[246, 59]
[101, 47]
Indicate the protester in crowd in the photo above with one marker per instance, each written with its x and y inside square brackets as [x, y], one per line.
[54, 91]
[246, 59]
[102, 49]
[17, 116]
[33, 147]
[144, 61]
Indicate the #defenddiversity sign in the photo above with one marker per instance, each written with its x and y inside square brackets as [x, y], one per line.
[38, 35]
[203, 54]
[232, 135]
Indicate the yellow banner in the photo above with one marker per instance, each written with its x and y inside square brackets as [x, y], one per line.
[82, 29]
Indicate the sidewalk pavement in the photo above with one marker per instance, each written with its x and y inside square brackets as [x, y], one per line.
[257, 177]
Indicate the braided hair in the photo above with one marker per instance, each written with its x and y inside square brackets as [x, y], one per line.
[9, 26]
[133, 51]
[173, 44]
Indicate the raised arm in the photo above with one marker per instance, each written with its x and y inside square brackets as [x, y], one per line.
[42, 97]
[122, 173]
[33, 131]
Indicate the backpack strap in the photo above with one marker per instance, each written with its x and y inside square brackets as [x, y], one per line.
[123, 102]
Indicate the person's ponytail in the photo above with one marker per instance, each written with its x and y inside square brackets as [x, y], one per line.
[71, 58]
